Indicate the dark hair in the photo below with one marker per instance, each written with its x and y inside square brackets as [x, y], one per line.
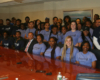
[31, 33]
[97, 15]
[8, 20]
[46, 23]
[79, 19]
[36, 23]
[84, 38]
[19, 20]
[18, 32]
[64, 27]
[5, 32]
[42, 37]
[55, 45]
[27, 17]
[54, 18]
[60, 26]
[13, 18]
[83, 44]
[88, 20]
[75, 23]
[68, 18]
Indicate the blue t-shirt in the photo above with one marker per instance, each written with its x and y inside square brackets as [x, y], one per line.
[38, 48]
[67, 57]
[30, 30]
[46, 34]
[56, 54]
[56, 36]
[86, 59]
[22, 32]
[75, 35]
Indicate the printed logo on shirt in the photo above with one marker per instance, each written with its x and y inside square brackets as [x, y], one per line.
[36, 48]
[83, 59]
[16, 44]
[6, 44]
[2, 28]
[73, 35]
[8, 28]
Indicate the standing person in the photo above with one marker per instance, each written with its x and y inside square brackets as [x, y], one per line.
[18, 42]
[85, 57]
[46, 32]
[27, 19]
[8, 27]
[47, 20]
[30, 43]
[63, 30]
[52, 51]
[67, 20]
[75, 34]
[86, 36]
[30, 29]
[22, 30]
[55, 19]
[69, 51]
[40, 47]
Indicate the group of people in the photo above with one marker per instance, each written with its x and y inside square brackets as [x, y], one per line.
[36, 37]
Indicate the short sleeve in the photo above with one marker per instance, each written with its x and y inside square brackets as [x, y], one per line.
[80, 40]
[43, 48]
[57, 52]
[93, 57]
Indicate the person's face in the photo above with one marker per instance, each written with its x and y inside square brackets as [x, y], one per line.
[18, 35]
[42, 26]
[79, 26]
[39, 39]
[27, 19]
[95, 17]
[67, 19]
[58, 24]
[78, 21]
[38, 22]
[55, 20]
[1, 22]
[5, 35]
[8, 22]
[88, 24]
[97, 23]
[84, 19]
[73, 26]
[85, 32]
[30, 36]
[68, 42]
[60, 21]
[64, 30]
[54, 30]
[31, 25]
[47, 26]
[18, 23]
[47, 20]
[85, 47]
[22, 27]
[52, 42]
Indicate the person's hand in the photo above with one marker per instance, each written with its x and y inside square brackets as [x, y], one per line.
[77, 45]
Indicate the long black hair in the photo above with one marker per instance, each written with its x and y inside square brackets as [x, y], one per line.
[65, 20]
[84, 38]
[81, 49]
[53, 50]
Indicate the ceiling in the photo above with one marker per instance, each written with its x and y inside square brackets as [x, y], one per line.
[16, 2]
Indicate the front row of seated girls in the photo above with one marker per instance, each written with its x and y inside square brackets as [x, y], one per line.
[67, 53]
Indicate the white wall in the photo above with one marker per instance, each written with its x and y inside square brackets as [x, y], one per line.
[48, 9]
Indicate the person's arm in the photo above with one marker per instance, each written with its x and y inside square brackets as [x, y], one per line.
[43, 50]
[41, 53]
[77, 62]
[95, 41]
[57, 53]
[94, 64]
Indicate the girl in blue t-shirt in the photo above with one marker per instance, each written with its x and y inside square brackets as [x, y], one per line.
[75, 34]
[85, 57]
[63, 30]
[68, 51]
[86, 36]
[52, 51]
[54, 33]
[40, 47]
[46, 32]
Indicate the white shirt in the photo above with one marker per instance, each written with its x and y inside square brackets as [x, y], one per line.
[29, 44]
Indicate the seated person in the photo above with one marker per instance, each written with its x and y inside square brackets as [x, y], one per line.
[30, 43]
[6, 41]
[18, 43]
[53, 51]
[69, 51]
[40, 47]
[85, 57]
